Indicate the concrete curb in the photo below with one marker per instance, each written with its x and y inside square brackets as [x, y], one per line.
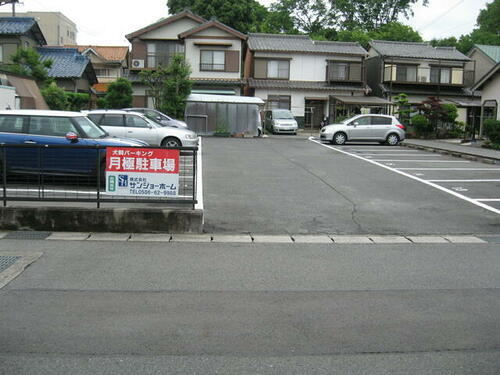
[118, 220]
[463, 155]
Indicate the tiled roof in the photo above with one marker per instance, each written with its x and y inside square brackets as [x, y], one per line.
[493, 52]
[301, 85]
[16, 25]
[416, 50]
[110, 53]
[66, 62]
[301, 43]
[212, 23]
[459, 91]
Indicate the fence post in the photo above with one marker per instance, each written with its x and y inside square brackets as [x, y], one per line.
[4, 175]
[195, 157]
[98, 173]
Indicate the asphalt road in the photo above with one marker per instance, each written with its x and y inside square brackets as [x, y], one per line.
[291, 185]
[131, 307]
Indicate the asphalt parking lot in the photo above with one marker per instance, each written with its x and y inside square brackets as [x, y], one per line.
[294, 185]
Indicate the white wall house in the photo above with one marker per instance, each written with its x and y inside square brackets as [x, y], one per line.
[212, 49]
[308, 77]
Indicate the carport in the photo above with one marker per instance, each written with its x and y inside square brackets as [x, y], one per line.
[347, 106]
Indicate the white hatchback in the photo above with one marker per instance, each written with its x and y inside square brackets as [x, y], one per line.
[371, 128]
[136, 125]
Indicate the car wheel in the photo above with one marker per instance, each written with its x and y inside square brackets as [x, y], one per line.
[339, 139]
[171, 142]
[392, 139]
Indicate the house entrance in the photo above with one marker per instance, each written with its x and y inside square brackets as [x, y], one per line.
[314, 113]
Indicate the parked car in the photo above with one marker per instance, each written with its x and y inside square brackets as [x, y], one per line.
[372, 128]
[159, 117]
[136, 125]
[280, 121]
[36, 127]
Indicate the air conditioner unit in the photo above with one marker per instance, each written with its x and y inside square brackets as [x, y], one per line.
[138, 64]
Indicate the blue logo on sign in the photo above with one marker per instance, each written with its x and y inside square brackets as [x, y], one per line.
[123, 180]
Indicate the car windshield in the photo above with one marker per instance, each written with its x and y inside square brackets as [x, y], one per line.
[284, 114]
[91, 129]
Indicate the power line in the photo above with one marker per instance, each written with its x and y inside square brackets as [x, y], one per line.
[441, 15]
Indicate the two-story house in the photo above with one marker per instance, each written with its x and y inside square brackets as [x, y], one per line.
[420, 70]
[18, 32]
[313, 79]
[212, 49]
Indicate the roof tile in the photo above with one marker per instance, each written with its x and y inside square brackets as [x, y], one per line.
[66, 62]
[417, 50]
[301, 43]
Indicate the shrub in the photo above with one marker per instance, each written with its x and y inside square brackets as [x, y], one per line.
[492, 130]
[119, 94]
[77, 101]
[55, 97]
[421, 125]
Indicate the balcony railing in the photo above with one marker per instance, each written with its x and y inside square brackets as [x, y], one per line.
[443, 76]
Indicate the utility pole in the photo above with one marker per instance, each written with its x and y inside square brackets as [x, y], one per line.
[13, 3]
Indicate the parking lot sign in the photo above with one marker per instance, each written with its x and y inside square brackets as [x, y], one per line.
[144, 172]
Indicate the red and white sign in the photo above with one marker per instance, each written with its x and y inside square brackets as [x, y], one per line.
[150, 172]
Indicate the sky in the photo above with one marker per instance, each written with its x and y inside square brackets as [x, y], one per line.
[106, 22]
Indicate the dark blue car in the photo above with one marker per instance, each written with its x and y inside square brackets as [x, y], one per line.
[68, 129]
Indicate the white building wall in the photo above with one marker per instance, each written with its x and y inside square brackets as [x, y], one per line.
[8, 98]
[491, 91]
[172, 30]
[307, 67]
[193, 57]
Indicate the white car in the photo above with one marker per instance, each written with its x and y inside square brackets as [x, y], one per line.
[136, 125]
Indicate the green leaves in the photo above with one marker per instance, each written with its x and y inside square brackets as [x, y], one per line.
[169, 87]
[119, 94]
[26, 61]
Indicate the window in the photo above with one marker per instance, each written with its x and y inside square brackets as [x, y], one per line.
[278, 69]
[11, 124]
[406, 73]
[278, 102]
[161, 53]
[1, 53]
[103, 72]
[381, 120]
[340, 71]
[135, 122]
[212, 60]
[361, 121]
[51, 126]
[112, 120]
[440, 75]
[89, 127]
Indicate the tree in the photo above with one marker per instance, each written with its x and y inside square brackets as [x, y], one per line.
[403, 108]
[77, 101]
[242, 15]
[55, 97]
[372, 14]
[396, 31]
[177, 87]
[154, 81]
[119, 94]
[310, 17]
[26, 61]
[169, 87]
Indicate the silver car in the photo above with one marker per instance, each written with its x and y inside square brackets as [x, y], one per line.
[136, 125]
[159, 117]
[280, 121]
[372, 128]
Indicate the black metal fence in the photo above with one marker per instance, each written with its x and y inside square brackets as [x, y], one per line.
[72, 173]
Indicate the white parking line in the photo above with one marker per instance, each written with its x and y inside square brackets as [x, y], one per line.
[419, 155]
[399, 171]
[425, 161]
[487, 200]
[449, 169]
[492, 180]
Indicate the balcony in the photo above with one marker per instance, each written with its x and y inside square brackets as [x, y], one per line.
[344, 72]
[436, 75]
